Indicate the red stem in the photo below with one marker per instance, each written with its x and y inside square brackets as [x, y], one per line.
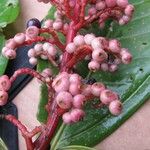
[23, 130]
[31, 72]
[66, 56]
[44, 139]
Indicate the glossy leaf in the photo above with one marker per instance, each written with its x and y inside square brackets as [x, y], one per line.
[2, 145]
[9, 10]
[132, 82]
[3, 60]
[75, 147]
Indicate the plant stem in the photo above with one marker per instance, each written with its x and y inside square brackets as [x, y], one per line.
[56, 139]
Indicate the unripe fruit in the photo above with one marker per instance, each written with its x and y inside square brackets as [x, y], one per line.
[5, 83]
[122, 3]
[32, 32]
[77, 115]
[67, 118]
[33, 61]
[97, 88]
[78, 101]
[61, 82]
[20, 38]
[64, 100]
[115, 107]
[88, 38]
[79, 40]
[93, 65]
[3, 98]
[70, 48]
[107, 96]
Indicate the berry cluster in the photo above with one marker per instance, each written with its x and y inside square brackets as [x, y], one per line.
[71, 93]
[68, 92]
[106, 55]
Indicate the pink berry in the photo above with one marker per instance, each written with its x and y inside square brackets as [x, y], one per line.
[110, 3]
[31, 53]
[61, 82]
[57, 25]
[48, 23]
[11, 44]
[67, 118]
[122, 3]
[4, 49]
[100, 5]
[70, 48]
[79, 40]
[99, 55]
[113, 68]
[114, 46]
[5, 83]
[104, 67]
[107, 96]
[33, 61]
[74, 88]
[94, 66]
[50, 49]
[92, 11]
[79, 100]
[129, 10]
[124, 19]
[66, 27]
[64, 100]
[72, 3]
[122, 22]
[77, 115]
[38, 48]
[117, 61]
[75, 78]
[10, 54]
[20, 38]
[3, 98]
[97, 88]
[96, 43]
[115, 107]
[32, 32]
[86, 90]
[88, 38]
[126, 57]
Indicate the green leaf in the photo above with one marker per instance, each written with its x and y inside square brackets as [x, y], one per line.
[3, 60]
[9, 10]
[132, 82]
[2, 145]
[75, 147]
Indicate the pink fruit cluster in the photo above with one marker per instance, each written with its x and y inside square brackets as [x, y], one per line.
[106, 54]
[68, 92]
[44, 51]
[9, 51]
[71, 93]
